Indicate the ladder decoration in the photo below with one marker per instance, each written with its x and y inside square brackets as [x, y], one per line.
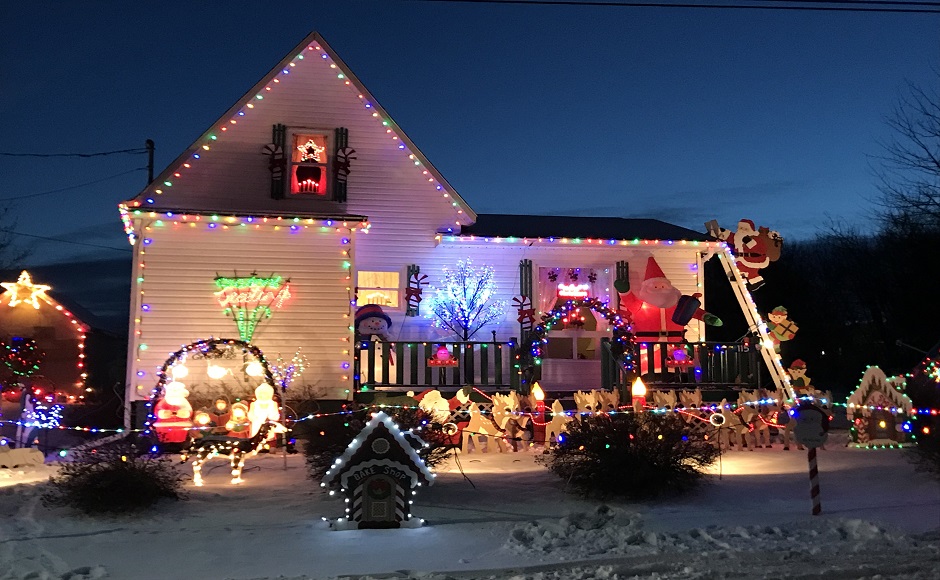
[754, 320]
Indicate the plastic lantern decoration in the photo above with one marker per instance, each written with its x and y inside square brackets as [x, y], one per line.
[254, 369]
[216, 372]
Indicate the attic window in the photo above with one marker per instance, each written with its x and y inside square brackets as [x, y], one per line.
[309, 163]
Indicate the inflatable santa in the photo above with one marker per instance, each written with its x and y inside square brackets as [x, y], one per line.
[658, 310]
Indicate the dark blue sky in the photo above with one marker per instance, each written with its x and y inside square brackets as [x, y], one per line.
[682, 115]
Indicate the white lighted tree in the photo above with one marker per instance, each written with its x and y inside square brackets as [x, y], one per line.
[462, 303]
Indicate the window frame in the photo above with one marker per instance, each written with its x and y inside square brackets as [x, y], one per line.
[398, 289]
[328, 139]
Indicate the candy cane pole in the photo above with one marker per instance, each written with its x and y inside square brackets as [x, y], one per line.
[814, 481]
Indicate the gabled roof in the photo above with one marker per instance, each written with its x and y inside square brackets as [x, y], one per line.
[496, 225]
[42, 296]
[400, 453]
[313, 45]
[874, 380]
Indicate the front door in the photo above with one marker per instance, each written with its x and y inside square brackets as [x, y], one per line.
[571, 359]
[379, 498]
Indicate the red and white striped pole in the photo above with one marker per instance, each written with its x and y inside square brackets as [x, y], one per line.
[814, 481]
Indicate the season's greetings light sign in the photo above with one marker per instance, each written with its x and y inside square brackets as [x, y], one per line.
[574, 290]
[250, 299]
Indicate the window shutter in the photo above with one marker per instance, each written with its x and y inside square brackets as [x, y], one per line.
[277, 162]
[524, 302]
[343, 155]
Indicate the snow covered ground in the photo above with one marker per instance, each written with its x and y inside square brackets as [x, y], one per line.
[509, 518]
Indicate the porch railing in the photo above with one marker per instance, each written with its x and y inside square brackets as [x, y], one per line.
[492, 366]
[704, 365]
[404, 366]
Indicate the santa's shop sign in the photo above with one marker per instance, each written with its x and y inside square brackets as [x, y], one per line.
[574, 290]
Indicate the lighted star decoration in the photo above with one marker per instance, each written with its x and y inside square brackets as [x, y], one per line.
[23, 291]
[310, 151]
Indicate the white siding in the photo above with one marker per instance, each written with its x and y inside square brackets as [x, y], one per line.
[233, 174]
[175, 304]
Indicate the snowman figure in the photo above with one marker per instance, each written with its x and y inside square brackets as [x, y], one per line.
[263, 408]
[372, 324]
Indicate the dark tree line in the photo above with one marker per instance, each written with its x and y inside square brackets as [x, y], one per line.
[865, 297]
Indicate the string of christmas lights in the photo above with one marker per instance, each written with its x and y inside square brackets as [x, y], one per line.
[317, 47]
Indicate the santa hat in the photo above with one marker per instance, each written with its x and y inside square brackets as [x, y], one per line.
[750, 225]
[798, 364]
[371, 311]
[653, 270]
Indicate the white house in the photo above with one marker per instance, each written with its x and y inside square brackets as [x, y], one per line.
[307, 182]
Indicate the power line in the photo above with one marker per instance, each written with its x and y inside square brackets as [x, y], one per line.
[15, 233]
[137, 151]
[798, 5]
[30, 195]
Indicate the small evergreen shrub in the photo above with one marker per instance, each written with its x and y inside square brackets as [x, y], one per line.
[332, 434]
[632, 455]
[327, 439]
[114, 479]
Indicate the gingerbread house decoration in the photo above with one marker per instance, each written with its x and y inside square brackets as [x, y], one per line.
[378, 474]
[879, 410]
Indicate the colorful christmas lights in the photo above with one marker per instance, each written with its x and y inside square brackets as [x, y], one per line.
[312, 44]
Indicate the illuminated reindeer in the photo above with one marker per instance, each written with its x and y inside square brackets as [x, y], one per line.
[237, 450]
[749, 408]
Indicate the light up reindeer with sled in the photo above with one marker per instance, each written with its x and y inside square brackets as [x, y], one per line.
[237, 450]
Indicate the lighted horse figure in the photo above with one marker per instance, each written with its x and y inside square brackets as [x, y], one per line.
[237, 450]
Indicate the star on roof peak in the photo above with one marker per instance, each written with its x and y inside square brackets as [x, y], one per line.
[23, 291]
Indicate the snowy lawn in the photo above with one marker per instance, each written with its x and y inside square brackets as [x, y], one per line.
[515, 520]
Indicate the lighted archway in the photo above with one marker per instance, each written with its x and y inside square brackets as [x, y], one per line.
[621, 339]
[210, 349]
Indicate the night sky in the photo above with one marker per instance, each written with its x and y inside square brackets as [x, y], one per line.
[681, 115]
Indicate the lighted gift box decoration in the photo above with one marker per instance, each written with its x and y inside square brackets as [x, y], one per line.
[379, 475]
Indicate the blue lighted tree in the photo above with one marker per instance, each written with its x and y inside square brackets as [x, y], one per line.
[463, 303]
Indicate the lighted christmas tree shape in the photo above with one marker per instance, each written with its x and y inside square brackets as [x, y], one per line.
[462, 304]
[23, 291]
[250, 300]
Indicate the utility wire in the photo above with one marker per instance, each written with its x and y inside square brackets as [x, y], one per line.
[15, 233]
[31, 195]
[798, 5]
[138, 150]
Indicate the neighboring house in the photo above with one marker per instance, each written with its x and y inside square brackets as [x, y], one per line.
[308, 181]
[42, 346]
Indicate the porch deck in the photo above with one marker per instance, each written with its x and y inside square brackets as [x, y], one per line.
[399, 367]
